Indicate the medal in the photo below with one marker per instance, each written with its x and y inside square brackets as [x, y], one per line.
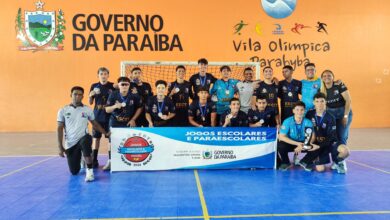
[96, 90]
[261, 121]
[160, 108]
[123, 101]
[214, 98]
[227, 92]
[290, 94]
[203, 111]
[177, 89]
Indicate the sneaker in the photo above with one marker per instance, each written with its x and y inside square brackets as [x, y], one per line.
[342, 167]
[95, 164]
[304, 166]
[296, 160]
[334, 166]
[107, 166]
[284, 166]
[89, 177]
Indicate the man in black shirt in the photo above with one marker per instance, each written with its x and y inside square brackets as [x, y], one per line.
[270, 89]
[202, 113]
[144, 90]
[125, 107]
[99, 93]
[234, 117]
[326, 136]
[263, 116]
[180, 92]
[160, 108]
[288, 92]
[202, 78]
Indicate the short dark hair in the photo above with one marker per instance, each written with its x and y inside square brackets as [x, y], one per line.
[267, 67]
[225, 67]
[309, 64]
[247, 69]
[158, 82]
[123, 79]
[319, 95]
[299, 103]
[77, 88]
[203, 61]
[135, 69]
[261, 96]
[233, 100]
[288, 67]
[180, 67]
[202, 88]
[103, 69]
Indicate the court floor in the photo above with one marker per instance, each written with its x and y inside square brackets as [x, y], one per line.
[41, 187]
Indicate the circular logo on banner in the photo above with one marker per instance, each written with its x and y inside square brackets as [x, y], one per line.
[135, 149]
[279, 8]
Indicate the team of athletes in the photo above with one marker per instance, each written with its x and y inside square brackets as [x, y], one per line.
[319, 104]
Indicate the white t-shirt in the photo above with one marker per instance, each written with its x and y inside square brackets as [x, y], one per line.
[245, 90]
[76, 123]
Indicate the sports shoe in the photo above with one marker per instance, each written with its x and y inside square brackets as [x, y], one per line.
[284, 166]
[342, 167]
[95, 164]
[304, 166]
[296, 160]
[89, 177]
[107, 166]
[334, 166]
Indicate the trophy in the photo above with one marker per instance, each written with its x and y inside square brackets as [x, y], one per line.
[308, 135]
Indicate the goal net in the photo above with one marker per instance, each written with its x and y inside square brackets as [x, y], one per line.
[156, 70]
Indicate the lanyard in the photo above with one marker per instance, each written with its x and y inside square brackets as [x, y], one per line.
[160, 108]
[319, 124]
[202, 82]
[203, 110]
[299, 129]
[123, 99]
[228, 84]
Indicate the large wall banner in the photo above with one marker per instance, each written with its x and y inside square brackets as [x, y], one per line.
[192, 148]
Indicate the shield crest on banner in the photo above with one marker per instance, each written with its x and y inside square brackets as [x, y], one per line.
[40, 26]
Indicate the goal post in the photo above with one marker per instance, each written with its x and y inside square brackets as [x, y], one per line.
[166, 70]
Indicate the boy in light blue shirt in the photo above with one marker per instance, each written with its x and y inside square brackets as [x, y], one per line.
[223, 91]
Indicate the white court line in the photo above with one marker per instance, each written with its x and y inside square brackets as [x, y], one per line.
[23, 168]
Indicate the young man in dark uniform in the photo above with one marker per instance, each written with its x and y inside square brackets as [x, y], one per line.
[160, 108]
[180, 92]
[99, 93]
[234, 117]
[202, 78]
[125, 107]
[270, 89]
[326, 135]
[263, 116]
[144, 90]
[288, 92]
[202, 113]
[74, 119]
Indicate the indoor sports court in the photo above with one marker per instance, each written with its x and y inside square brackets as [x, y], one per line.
[263, 109]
